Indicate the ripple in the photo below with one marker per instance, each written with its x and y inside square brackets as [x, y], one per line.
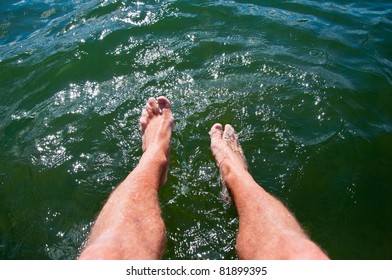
[305, 84]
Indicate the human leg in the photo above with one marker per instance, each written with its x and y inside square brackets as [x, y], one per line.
[267, 229]
[130, 225]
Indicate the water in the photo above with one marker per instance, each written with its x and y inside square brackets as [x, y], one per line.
[307, 84]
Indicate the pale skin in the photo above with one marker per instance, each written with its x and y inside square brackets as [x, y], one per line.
[267, 229]
[130, 225]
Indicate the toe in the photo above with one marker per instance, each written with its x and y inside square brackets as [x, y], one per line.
[152, 102]
[144, 114]
[143, 124]
[164, 104]
[165, 107]
[216, 131]
[229, 133]
[149, 110]
[144, 118]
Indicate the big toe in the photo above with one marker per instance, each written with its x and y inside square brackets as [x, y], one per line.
[164, 103]
[229, 133]
[216, 131]
[165, 107]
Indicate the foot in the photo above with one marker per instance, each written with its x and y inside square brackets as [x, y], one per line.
[228, 154]
[156, 124]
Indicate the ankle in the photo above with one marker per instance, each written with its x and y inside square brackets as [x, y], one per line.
[155, 155]
[235, 175]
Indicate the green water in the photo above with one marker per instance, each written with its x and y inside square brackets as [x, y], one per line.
[307, 85]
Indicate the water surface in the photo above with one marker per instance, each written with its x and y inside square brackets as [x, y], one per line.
[307, 85]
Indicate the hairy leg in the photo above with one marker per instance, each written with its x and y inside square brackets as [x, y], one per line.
[130, 225]
[267, 229]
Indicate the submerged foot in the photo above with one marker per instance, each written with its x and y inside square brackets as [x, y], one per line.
[228, 154]
[156, 124]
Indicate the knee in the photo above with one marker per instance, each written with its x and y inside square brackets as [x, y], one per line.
[99, 252]
[307, 250]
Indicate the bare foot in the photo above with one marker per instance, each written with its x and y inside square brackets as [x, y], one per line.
[156, 124]
[228, 154]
